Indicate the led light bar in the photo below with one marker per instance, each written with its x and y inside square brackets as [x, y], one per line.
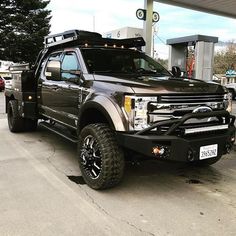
[205, 129]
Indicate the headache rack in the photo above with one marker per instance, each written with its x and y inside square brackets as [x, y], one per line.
[86, 38]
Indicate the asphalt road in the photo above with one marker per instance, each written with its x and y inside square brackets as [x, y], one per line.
[155, 198]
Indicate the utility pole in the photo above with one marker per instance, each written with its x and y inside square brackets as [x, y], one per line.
[94, 29]
[147, 26]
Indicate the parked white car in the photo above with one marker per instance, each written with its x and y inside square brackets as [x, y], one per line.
[232, 89]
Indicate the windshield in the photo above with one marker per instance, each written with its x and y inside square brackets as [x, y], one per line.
[121, 61]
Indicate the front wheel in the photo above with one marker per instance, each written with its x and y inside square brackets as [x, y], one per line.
[101, 160]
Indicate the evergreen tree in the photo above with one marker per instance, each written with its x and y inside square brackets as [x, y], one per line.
[23, 25]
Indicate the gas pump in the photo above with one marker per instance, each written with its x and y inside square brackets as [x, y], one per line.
[194, 55]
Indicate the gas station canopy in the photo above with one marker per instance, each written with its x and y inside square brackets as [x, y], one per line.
[225, 8]
[219, 7]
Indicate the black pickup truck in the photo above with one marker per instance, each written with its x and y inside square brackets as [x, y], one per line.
[115, 102]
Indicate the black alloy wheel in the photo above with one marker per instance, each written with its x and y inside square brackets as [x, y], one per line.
[91, 157]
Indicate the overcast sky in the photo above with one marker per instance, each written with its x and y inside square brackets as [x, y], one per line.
[114, 14]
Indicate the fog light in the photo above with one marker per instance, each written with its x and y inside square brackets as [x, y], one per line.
[158, 150]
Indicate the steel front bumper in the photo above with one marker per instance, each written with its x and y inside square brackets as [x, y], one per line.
[185, 147]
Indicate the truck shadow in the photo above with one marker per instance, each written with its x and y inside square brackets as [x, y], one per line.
[152, 174]
[170, 176]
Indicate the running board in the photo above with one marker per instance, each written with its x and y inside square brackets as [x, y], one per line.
[59, 131]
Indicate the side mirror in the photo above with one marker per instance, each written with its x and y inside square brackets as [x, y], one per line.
[53, 70]
[176, 72]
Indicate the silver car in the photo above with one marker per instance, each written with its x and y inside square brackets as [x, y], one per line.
[232, 89]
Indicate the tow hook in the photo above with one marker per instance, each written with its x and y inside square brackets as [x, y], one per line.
[190, 155]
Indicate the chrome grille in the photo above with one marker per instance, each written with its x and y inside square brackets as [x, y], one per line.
[176, 106]
[192, 98]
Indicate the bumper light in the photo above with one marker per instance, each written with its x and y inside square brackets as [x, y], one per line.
[161, 151]
[206, 129]
[158, 150]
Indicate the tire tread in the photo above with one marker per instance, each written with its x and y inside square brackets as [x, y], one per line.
[112, 157]
[17, 124]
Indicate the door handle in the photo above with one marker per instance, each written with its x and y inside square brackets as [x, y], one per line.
[49, 86]
[54, 87]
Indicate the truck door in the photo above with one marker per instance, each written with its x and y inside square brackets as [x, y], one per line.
[59, 97]
[48, 90]
[69, 90]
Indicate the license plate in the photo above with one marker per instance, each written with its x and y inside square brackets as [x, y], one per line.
[208, 151]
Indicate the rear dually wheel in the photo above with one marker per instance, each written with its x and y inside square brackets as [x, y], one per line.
[15, 121]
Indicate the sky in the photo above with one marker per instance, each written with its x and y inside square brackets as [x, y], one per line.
[114, 14]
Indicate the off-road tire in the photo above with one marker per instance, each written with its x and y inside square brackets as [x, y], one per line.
[207, 162]
[15, 121]
[111, 162]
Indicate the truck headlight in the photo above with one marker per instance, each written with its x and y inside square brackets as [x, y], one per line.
[129, 104]
[136, 107]
[228, 102]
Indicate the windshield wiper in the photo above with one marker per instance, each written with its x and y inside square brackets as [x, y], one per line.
[162, 74]
[142, 71]
[102, 71]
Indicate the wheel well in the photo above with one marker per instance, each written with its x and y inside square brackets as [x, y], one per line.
[92, 116]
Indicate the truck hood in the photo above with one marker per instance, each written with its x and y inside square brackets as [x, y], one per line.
[166, 84]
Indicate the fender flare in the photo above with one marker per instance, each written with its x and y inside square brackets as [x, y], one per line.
[113, 113]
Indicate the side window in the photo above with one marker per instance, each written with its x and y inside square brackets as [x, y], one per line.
[69, 64]
[55, 56]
